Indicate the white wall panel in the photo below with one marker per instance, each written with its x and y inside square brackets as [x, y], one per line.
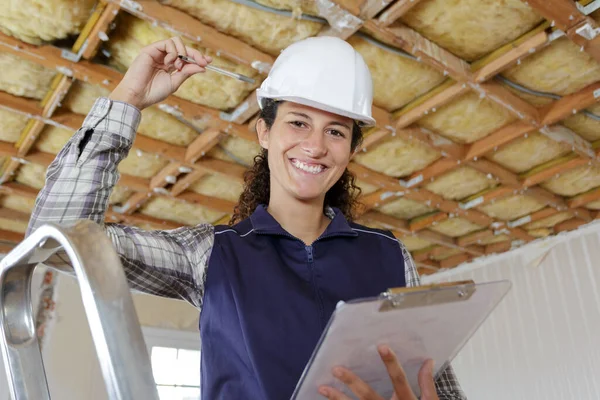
[542, 342]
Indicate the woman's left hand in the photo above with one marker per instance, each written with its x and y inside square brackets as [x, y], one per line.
[402, 390]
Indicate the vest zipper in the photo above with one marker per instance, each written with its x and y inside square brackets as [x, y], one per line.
[313, 280]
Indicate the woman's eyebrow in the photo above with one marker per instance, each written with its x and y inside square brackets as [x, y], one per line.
[334, 122]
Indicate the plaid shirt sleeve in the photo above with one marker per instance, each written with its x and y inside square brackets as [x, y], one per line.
[78, 185]
[447, 385]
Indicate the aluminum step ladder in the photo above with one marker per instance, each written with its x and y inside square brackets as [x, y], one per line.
[116, 333]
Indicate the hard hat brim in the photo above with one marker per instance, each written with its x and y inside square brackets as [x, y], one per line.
[362, 120]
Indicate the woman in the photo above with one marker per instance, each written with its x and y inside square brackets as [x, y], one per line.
[268, 283]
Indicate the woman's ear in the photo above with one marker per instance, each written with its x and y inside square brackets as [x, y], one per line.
[263, 133]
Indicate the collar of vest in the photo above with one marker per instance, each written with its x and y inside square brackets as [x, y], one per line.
[264, 223]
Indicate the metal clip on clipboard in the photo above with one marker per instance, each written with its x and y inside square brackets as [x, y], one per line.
[395, 298]
[418, 323]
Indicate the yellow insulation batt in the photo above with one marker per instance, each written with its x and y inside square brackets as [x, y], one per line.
[12, 125]
[405, 209]
[513, 207]
[549, 222]
[471, 28]
[18, 203]
[445, 253]
[528, 152]
[24, 78]
[119, 195]
[396, 157]
[586, 127]
[455, 227]
[266, 31]
[560, 68]
[179, 211]
[413, 243]
[209, 88]
[575, 181]
[37, 21]
[142, 164]
[13, 225]
[218, 186]
[460, 183]
[33, 175]
[297, 6]
[494, 239]
[234, 149]
[594, 205]
[411, 78]
[53, 139]
[82, 96]
[467, 118]
[365, 187]
[155, 123]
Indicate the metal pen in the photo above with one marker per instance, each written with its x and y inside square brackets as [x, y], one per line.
[235, 75]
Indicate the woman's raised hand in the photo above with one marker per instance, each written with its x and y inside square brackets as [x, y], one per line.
[157, 72]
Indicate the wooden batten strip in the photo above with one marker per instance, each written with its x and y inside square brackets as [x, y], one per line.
[183, 183]
[214, 203]
[563, 14]
[569, 140]
[445, 146]
[168, 175]
[499, 247]
[425, 50]
[550, 169]
[395, 11]
[455, 260]
[510, 54]
[220, 167]
[202, 144]
[582, 213]
[502, 136]
[429, 102]
[486, 197]
[584, 198]
[474, 238]
[133, 203]
[389, 222]
[429, 173]
[536, 216]
[377, 199]
[372, 139]
[510, 101]
[99, 31]
[503, 175]
[10, 236]
[544, 196]
[568, 105]
[569, 225]
[420, 223]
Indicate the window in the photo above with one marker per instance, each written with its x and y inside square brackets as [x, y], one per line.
[175, 357]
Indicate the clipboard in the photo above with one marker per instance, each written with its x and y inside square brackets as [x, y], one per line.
[417, 323]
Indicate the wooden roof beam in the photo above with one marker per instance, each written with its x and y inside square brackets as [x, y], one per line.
[395, 11]
[426, 51]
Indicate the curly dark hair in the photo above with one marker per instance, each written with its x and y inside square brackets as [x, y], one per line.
[257, 183]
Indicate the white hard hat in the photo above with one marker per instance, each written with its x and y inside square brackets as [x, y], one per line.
[325, 73]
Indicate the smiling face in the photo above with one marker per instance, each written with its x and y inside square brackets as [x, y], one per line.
[309, 150]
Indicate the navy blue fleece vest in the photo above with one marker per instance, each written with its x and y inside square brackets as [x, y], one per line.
[268, 297]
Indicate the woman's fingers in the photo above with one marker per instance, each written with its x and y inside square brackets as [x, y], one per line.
[357, 385]
[201, 59]
[396, 373]
[426, 382]
[332, 394]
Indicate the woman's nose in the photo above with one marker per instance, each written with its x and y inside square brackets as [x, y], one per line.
[314, 144]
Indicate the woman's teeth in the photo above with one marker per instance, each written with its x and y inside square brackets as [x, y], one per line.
[313, 169]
